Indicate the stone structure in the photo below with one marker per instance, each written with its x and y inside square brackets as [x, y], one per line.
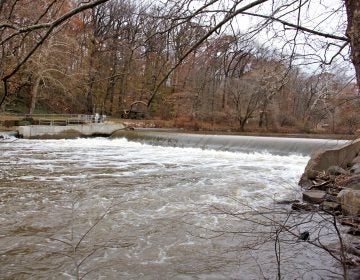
[69, 131]
[332, 181]
[323, 159]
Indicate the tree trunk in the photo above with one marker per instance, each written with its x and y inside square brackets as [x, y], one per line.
[90, 95]
[34, 93]
[122, 91]
[110, 91]
[242, 123]
[261, 119]
[353, 33]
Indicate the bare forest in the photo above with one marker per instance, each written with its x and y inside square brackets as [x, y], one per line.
[288, 66]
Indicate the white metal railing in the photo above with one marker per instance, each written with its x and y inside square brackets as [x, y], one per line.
[64, 119]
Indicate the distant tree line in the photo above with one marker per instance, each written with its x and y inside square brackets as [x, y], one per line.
[189, 62]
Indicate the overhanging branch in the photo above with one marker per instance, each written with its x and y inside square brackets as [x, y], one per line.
[227, 18]
[299, 27]
[50, 27]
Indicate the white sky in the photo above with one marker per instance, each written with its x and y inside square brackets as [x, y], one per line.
[326, 16]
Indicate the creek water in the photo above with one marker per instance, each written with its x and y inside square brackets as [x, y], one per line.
[156, 205]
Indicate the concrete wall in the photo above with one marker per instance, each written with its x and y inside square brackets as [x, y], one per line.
[70, 131]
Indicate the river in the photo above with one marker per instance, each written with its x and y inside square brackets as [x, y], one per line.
[158, 205]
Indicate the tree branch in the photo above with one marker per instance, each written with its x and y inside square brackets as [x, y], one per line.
[51, 26]
[227, 18]
[299, 27]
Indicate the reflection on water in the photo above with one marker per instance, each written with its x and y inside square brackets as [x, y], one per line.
[116, 209]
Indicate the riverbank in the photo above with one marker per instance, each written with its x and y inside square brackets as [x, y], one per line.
[331, 185]
[216, 130]
[7, 122]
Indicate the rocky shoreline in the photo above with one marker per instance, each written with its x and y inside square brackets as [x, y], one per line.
[332, 180]
[331, 183]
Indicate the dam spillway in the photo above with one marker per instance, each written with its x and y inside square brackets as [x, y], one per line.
[231, 143]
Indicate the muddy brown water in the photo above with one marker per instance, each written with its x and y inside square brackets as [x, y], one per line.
[117, 209]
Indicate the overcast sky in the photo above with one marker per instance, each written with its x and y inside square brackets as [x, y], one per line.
[310, 51]
[327, 16]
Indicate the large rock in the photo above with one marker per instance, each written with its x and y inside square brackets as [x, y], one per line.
[314, 196]
[330, 206]
[337, 170]
[352, 182]
[321, 160]
[303, 207]
[355, 160]
[350, 201]
[355, 169]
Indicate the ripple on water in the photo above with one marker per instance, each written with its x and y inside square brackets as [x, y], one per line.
[134, 211]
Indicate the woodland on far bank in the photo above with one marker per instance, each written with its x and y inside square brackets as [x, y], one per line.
[319, 105]
[118, 59]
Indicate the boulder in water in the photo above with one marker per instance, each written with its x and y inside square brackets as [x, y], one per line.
[330, 206]
[304, 236]
[350, 201]
[314, 196]
[303, 207]
[287, 201]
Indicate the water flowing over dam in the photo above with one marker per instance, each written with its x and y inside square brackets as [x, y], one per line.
[157, 205]
[232, 143]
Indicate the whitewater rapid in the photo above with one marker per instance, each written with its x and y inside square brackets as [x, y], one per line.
[121, 209]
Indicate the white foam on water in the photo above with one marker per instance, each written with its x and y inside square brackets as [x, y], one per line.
[158, 197]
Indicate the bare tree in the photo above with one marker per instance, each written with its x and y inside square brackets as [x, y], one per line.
[15, 30]
[353, 33]
[299, 33]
